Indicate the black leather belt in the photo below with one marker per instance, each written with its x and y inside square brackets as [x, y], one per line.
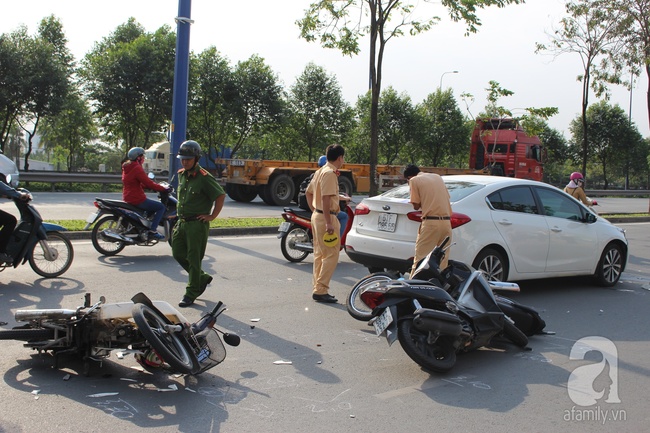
[435, 217]
[320, 211]
[189, 218]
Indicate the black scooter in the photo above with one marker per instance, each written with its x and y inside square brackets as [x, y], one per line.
[437, 314]
[118, 224]
[48, 251]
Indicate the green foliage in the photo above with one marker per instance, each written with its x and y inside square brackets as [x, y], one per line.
[129, 75]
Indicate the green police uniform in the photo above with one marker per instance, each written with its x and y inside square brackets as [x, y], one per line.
[197, 192]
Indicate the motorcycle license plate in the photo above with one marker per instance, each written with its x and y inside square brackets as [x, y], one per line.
[383, 321]
[91, 218]
[284, 227]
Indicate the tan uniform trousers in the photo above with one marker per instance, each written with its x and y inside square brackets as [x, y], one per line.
[325, 258]
[430, 234]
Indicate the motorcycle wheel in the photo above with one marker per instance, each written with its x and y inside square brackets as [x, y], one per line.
[50, 267]
[172, 348]
[104, 247]
[40, 334]
[439, 357]
[514, 334]
[296, 234]
[356, 307]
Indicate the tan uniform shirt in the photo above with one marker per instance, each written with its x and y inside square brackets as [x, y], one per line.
[328, 183]
[430, 191]
[578, 194]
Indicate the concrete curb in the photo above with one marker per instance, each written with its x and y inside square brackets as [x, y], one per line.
[234, 231]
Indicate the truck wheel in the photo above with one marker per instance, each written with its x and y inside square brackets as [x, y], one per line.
[282, 189]
[266, 195]
[345, 186]
[233, 192]
[246, 193]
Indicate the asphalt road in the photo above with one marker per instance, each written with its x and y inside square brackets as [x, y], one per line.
[337, 376]
[67, 206]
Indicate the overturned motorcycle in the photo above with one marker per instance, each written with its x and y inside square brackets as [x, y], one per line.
[155, 332]
[437, 314]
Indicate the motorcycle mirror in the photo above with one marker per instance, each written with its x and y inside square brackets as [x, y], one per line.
[231, 339]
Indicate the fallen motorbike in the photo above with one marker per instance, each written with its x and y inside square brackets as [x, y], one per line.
[296, 236]
[48, 251]
[119, 224]
[437, 314]
[155, 332]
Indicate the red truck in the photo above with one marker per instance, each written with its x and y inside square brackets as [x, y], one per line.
[503, 146]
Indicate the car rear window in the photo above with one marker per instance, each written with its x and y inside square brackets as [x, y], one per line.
[457, 190]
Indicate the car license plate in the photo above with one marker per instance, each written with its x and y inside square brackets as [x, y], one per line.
[383, 321]
[91, 218]
[386, 222]
[237, 162]
[284, 227]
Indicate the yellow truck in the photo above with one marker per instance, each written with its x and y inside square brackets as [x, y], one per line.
[277, 182]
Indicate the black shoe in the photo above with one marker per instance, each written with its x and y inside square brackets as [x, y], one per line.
[327, 298]
[205, 286]
[186, 302]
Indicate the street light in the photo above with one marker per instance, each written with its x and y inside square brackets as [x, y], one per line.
[443, 74]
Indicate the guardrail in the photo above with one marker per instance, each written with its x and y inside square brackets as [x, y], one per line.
[55, 177]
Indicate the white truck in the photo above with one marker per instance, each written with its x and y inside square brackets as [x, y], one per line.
[157, 158]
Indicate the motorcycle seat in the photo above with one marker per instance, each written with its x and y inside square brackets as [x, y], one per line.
[120, 203]
[300, 212]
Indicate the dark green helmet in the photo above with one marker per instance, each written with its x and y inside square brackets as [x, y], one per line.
[189, 149]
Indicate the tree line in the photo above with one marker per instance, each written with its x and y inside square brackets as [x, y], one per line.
[120, 95]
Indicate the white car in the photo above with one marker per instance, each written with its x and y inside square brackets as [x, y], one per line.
[7, 166]
[512, 229]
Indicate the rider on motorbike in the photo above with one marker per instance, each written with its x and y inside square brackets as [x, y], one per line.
[575, 188]
[7, 220]
[135, 180]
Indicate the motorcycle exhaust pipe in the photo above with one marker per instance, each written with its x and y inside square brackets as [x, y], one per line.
[116, 237]
[50, 314]
[309, 248]
[439, 322]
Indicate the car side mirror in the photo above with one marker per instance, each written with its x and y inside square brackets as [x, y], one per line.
[590, 218]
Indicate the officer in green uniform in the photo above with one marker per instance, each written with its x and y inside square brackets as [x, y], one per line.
[200, 199]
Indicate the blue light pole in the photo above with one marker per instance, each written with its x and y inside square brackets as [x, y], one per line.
[181, 79]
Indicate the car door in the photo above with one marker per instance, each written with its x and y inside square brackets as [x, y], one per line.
[573, 243]
[524, 230]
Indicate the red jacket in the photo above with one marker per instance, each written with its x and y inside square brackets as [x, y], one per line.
[135, 180]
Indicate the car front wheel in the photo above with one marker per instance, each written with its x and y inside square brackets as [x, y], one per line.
[610, 266]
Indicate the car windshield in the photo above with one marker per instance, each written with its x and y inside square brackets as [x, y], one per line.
[458, 190]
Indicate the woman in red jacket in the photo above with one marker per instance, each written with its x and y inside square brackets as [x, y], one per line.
[134, 180]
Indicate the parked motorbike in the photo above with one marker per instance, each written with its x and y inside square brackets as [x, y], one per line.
[296, 236]
[155, 332]
[437, 314]
[48, 251]
[119, 224]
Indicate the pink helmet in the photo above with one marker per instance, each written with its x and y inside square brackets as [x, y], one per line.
[576, 176]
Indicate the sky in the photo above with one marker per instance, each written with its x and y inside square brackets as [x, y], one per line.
[502, 50]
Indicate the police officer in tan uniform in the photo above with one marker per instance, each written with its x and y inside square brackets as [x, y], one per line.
[429, 195]
[323, 198]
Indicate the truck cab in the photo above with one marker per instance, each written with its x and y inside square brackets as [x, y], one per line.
[503, 146]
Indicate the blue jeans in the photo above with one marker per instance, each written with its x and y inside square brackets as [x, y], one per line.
[342, 216]
[150, 205]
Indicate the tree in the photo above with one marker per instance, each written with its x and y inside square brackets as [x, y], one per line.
[318, 110]
[591, 31]
[339, 24]
[636, 33]
[129, 78]
[213, 98]
[259, 103]
[443, 133]
[35, 73]
[70, 131]
[617, 145]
